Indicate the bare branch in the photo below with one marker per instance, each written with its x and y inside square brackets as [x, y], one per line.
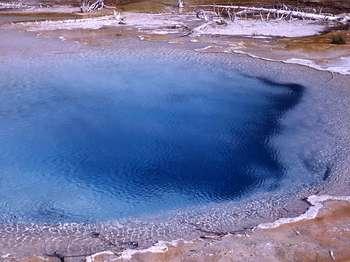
[285, 12]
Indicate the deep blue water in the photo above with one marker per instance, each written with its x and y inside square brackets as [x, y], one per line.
[106, 137]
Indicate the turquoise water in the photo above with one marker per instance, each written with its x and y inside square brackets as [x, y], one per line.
[100, 137]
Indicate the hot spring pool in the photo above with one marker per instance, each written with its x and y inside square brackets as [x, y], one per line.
[102, 137]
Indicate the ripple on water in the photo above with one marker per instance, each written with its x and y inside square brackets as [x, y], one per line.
[100, 137]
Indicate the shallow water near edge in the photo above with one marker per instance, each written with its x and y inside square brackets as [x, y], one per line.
[99, 137]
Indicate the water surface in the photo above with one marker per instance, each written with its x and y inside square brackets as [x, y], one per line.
[100, 137]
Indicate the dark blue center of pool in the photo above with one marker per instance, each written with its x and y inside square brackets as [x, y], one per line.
[103, 137]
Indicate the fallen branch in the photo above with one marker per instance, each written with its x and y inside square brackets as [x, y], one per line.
[209, 234]
[284, 13]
